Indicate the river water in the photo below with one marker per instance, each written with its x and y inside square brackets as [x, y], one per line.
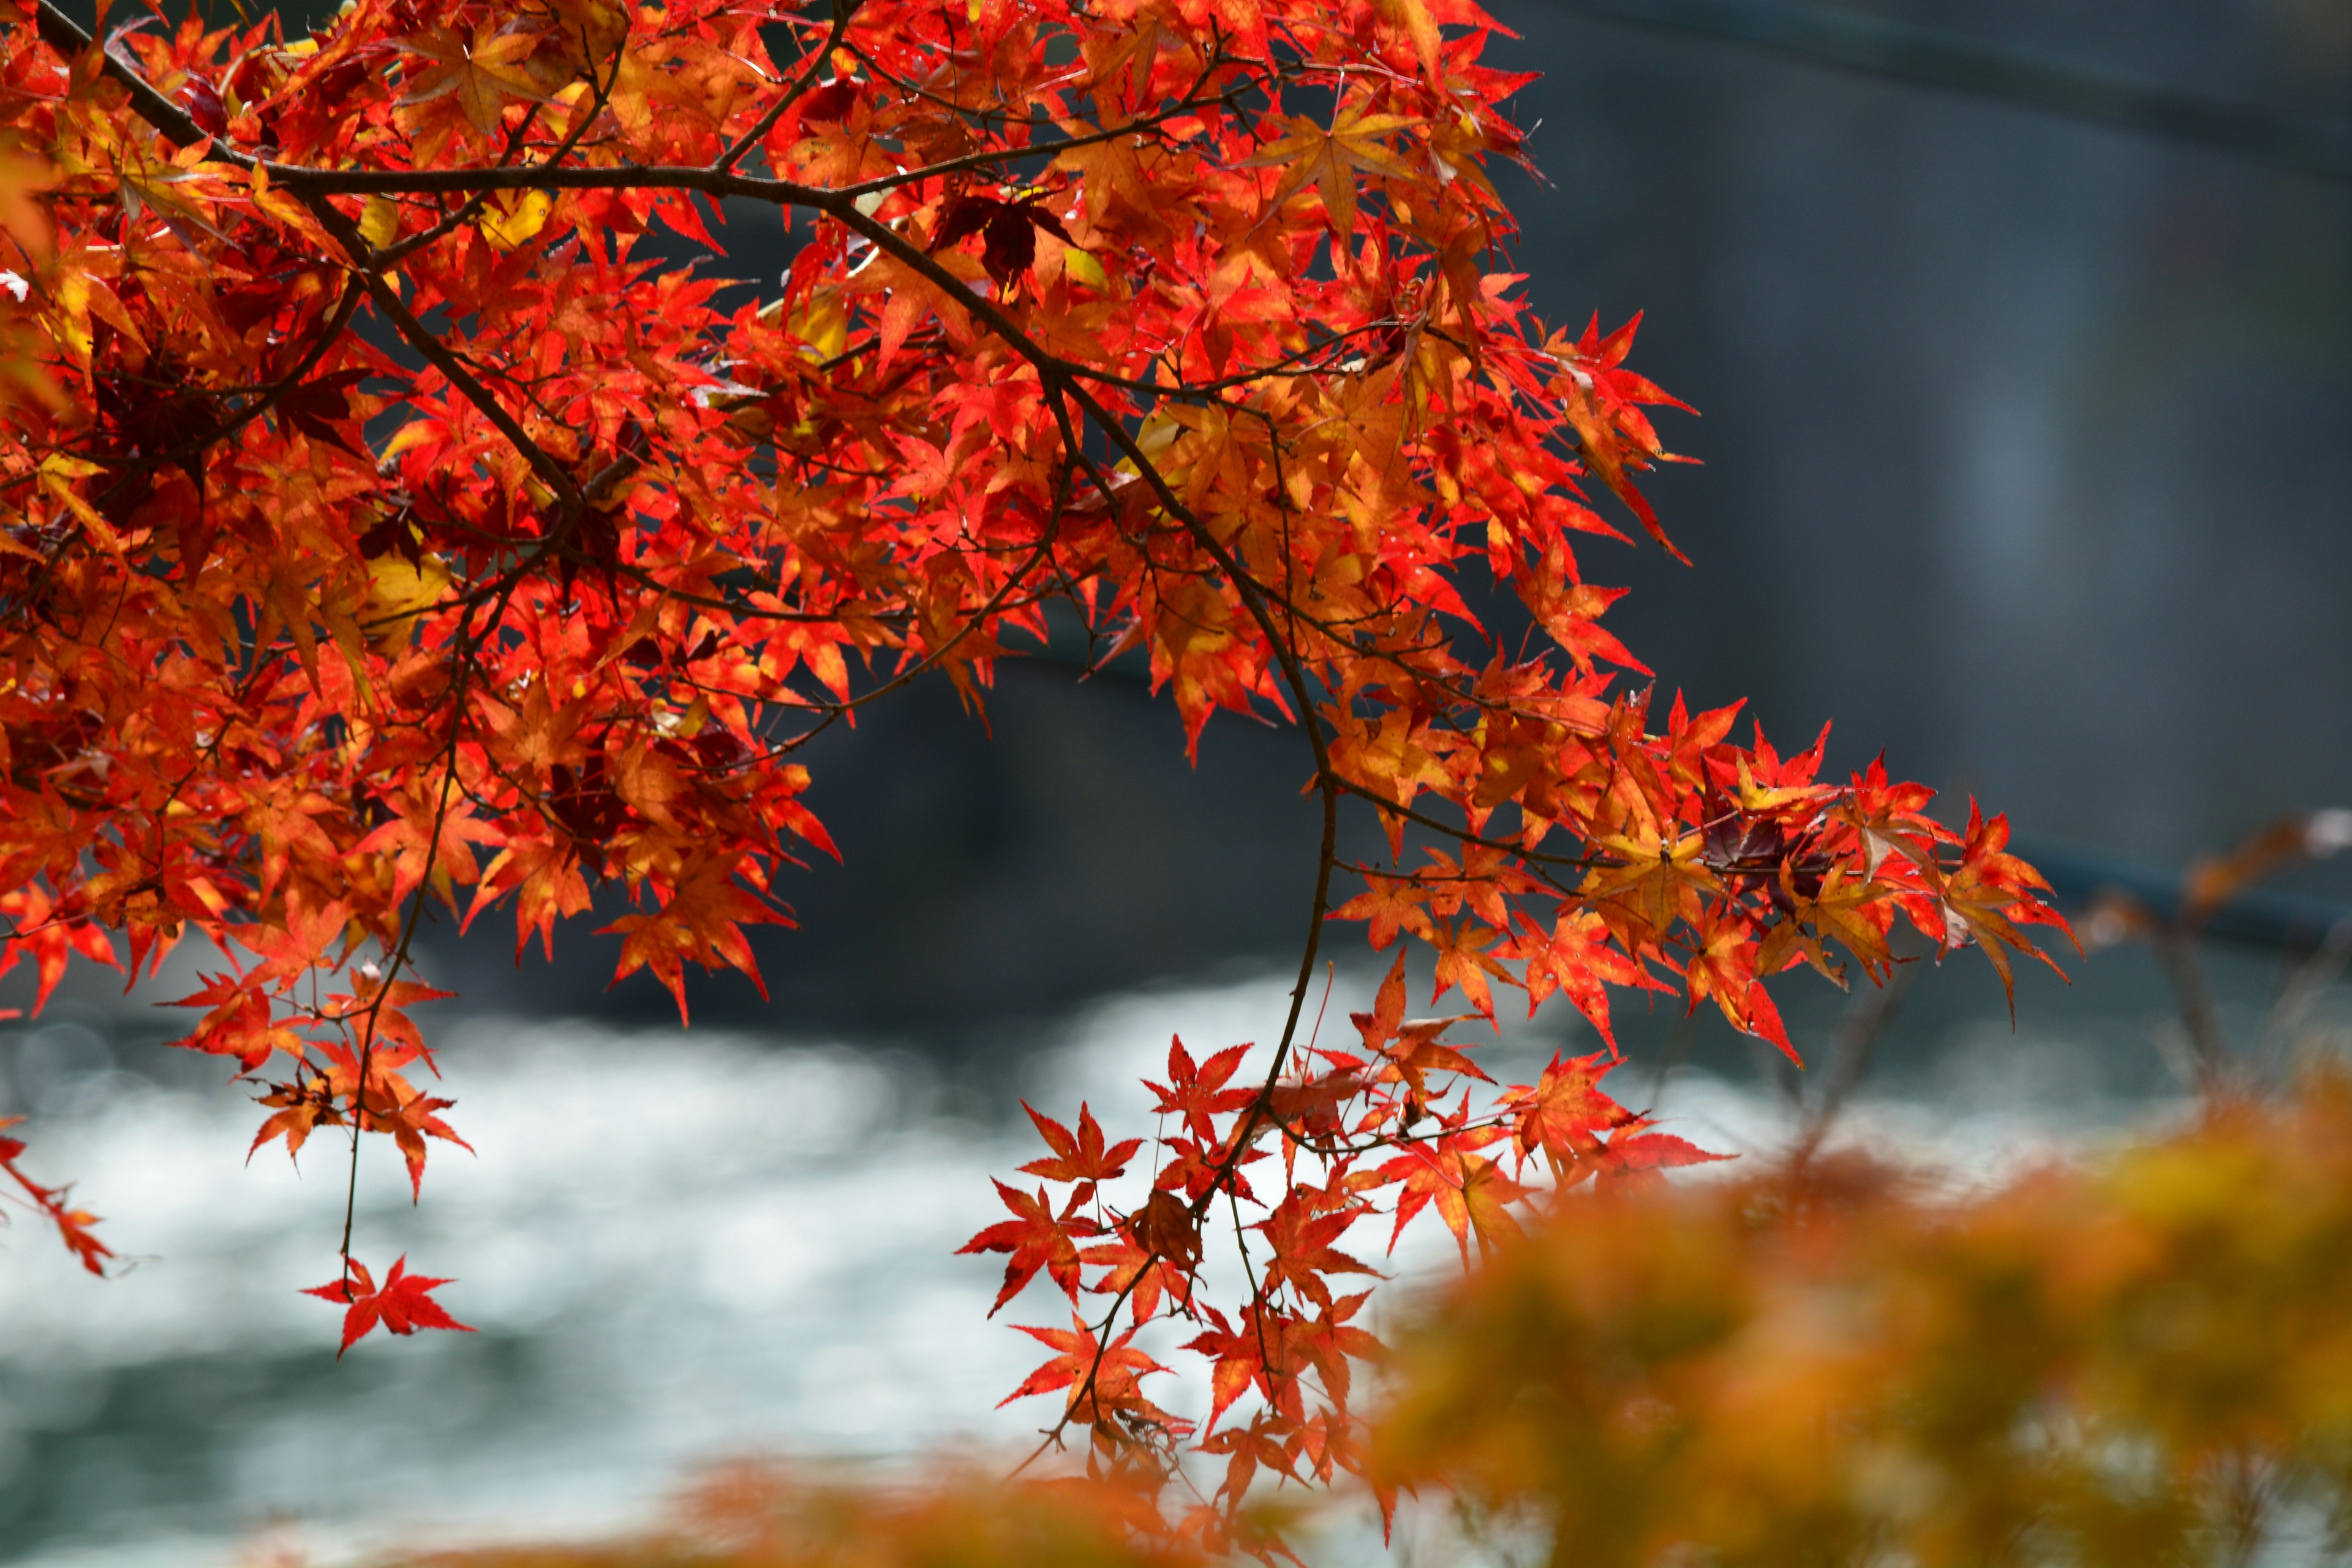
[676, 1248]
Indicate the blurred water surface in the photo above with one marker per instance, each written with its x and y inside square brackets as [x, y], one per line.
[676, 1248]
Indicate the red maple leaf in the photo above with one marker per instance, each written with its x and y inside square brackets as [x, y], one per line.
[1198, 1094]
[404, 1305]
[1036, 1239]
[1101, 1376]
[1082, 1158]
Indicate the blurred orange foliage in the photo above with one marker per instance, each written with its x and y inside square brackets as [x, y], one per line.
[2144, 1360]
[760, 1516]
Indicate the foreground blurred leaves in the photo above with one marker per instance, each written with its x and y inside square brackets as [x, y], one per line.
[753, 1516]
[2145, 1360]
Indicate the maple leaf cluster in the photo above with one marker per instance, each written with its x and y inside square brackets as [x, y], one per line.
[385, 524]
[1386, 1129]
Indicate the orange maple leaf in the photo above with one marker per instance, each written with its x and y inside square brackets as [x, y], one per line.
[1082, 1158]
[482, 71]
[1564, 1113]
[1113, 1367]
[701, 919]
[1328, 160]
[1037, 1238]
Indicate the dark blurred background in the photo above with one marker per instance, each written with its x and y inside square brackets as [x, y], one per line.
[2025, 439]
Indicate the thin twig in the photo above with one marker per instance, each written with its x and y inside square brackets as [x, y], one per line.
[1851, 1048]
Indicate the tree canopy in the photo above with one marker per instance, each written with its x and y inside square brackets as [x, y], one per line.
[391, 519]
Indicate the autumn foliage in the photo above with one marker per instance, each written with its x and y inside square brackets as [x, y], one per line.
[760, 1516]
[391, 520]
[2143, 1359]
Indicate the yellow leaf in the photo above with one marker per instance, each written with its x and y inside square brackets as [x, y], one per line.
[379, 221]
[823, 323]
[511, 219]
[407, 436]
[58, 474]
[398, 592]
[72, 292]
[63, 467]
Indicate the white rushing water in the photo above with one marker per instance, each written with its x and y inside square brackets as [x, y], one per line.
[676, 1248]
